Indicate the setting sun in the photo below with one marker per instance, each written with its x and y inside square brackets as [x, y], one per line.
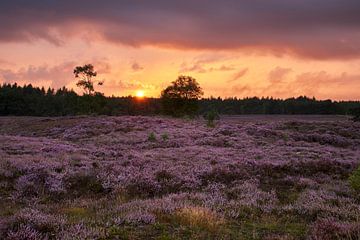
[140, 93]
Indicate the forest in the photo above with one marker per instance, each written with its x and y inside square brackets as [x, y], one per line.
[28, 100]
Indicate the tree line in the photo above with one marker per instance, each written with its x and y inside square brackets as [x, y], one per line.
[182, 97]
[28, 100]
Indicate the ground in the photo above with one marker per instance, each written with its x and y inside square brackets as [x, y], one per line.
[248, 177]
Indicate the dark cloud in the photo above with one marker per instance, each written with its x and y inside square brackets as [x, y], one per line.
[128, 85]
[196, 67]
[200, 64]
[238, 75]
[200, 68]
[324, 29]
[136, 67]
[242, 90]
[222, 68]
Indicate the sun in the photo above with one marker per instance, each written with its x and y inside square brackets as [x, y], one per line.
[140, 93]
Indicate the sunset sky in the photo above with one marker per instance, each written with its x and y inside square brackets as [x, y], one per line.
[279, 48]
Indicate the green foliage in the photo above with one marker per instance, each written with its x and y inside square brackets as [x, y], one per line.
[152, 137]
[210, 117]
[34, 101]
[165, 136]
[354, 180]
[86, 74]
[181, 97]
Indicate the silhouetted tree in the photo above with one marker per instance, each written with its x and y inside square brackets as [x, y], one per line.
[181, 97]
[86, 74]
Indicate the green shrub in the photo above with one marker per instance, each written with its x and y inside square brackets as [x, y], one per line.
[354, 180]
[152, 137]
[165, 136]
[211, 116]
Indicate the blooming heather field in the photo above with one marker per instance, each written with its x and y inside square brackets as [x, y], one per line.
[162, 178]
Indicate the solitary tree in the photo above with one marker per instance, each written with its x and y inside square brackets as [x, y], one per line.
[86, 74]
[181, 97]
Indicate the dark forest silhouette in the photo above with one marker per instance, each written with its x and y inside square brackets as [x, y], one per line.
[34, 101]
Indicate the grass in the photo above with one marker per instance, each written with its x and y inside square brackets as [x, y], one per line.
[194, 225]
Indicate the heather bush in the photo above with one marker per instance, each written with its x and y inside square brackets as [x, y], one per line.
[24, 232]
[31, 185]
[34, 223]
[337, 141]
[332, 229]
[79, 184]
[80, 231]
[247, 196]
[136, 218]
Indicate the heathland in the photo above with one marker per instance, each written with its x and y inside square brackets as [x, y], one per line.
[279, 177]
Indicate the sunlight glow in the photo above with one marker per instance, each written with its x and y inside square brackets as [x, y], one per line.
[140, 93]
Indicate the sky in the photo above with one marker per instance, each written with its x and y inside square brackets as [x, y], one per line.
[234, 48]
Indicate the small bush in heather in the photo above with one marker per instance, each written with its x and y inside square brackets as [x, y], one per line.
[165, 136]
[210, 117]
[31, 185]
[152, 137]
[354, 180]
[83, 184]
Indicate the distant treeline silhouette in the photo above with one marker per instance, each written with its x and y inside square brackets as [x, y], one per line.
[34, 101]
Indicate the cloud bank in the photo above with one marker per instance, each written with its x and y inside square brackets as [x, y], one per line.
[324, 29]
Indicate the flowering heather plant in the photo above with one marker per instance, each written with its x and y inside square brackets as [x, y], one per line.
[34, 223]
[238, 175]
[330, 228]
[24, 232]
[136, 218]
[81, 231]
